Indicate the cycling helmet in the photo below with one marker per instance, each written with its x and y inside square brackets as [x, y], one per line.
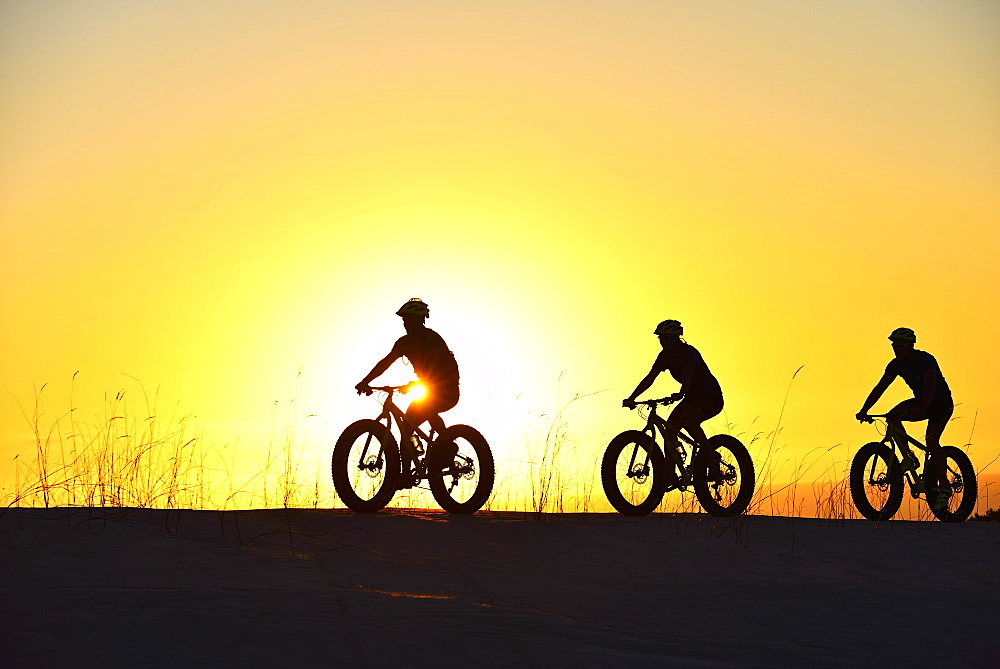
[904, 335]
[414, 307]
[669, 327]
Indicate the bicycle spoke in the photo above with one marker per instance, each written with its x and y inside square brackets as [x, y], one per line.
[465, 481]
[365, 466]
[876, 482]
[961, 480]
[723, 476]
[632, 473]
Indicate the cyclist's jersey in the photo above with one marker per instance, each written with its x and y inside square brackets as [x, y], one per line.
[679, 361]
[912, 369]
[433, 363]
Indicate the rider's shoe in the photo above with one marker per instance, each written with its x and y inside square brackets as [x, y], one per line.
[441, 454]
[715, 466]
[407, 481]
[938, 497]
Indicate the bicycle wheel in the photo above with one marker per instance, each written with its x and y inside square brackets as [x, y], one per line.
[365, 466]
[633, 473]
[876, 481]
[465, 481]
[962, 481]
[723, 476]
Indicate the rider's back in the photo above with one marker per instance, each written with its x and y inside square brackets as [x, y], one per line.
[912, 368]
[432, 360]
[686, 357]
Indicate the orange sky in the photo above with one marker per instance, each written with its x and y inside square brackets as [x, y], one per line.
[210, 196]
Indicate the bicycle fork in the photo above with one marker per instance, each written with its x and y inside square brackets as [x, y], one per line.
[643, 472]
[363, 464]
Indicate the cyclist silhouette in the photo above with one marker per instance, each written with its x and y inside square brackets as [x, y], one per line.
[931, 401]
[435, 367]
[700, 394]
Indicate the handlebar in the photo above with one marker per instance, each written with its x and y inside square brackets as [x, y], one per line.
[394, 389]
[663, 401]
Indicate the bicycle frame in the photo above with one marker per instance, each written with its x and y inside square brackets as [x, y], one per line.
[896, 435]
[654, 424]
[391, 413]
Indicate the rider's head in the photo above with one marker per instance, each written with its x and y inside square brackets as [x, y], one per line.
[903, 340]
[413, 313]
[669, 332]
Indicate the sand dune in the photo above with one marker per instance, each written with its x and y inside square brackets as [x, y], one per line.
[266, 588]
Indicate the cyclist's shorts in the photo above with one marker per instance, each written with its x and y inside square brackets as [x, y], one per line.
[937, 416]
[695, 410]
[437, 400]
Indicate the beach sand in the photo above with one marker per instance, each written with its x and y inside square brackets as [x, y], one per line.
[138, 587]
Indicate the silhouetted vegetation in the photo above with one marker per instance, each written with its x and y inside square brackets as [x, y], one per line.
[131, 455]
[992, 514]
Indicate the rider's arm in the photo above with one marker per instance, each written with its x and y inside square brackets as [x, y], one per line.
[644, 385]
[876, 392]
[379, 369]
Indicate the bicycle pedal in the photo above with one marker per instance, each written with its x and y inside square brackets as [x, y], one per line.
[408, 481]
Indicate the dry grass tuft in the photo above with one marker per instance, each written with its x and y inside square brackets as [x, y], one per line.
[129, 455]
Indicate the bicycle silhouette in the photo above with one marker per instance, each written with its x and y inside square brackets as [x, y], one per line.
[877, 476]
[636, 474]
[367, 467]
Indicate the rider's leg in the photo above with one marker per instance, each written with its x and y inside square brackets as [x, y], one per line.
[936, 474]
[430, 409]
[679, 419]
[416, 415]
[698, 434]
[407, 455]
[902, 412]
[437, 423]
[420, 411]
[895, 417]
[691, 412]
[937, 420]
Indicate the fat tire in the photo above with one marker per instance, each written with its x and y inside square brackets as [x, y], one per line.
[436, 476]
[703, 488]
[341, 469]
[858, 481]
[970, 489]
[609, 475]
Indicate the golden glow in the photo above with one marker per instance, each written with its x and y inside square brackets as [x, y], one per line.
[224, 202]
